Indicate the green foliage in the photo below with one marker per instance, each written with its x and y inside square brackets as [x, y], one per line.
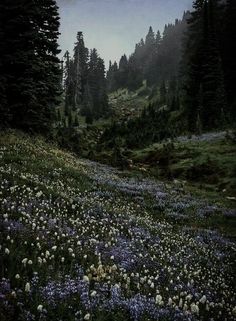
[204, 164]
[29, 68]
[70, 139]
[163, 93]
[203, 64]
[227, 29]
[156, 59]
[85, 83]
[195, 73]
[154, 125]
[76, 121]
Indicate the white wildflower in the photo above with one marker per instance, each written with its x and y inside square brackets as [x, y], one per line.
[40, 308]
[189, 297]
[93, 293]
[27, 287]
[185, 308]
[159, 299]
[85, 278]
[87, 316]
[194, 308]
[181, 303]
[40, 261]
[234, 311]
[39, 194]
[47, 254]
[203, 299]
[13, 294]
[114, 267]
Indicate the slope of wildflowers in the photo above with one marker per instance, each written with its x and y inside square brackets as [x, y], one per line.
[80, 241]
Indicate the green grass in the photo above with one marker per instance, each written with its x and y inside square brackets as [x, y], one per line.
[35, 157]
[129, 104]
[58, 206]
[209, 165]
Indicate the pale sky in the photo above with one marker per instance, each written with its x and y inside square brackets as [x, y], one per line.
[113, 27]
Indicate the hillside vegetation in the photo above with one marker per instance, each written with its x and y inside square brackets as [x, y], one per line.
[83, 241]
[117, 187]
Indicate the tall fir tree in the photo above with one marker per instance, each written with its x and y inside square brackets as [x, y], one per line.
[213, 91]
[68, 82]
[85, 86]
[228, 49]
[192, 63]
[5, 115]
[134, 76]
[203, 73]
[155, 59]
[96, 91]
[112, 77]
[123, 72]
[150, 40]
[163, 93]
[29, 67]
[80, 69]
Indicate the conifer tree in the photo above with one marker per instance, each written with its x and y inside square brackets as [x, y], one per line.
[203, 68]
[68, 83]
[96, 93]
[134, 76]
[228, 50]
[70, 120]
[192, 61]
[112, 73]
[58, 115]
[158, 39]
[29, 67]
[123, 72]
[150, 38]
[76, 121]
[163, 93]
[80, 69]
[5, 113]
[214, 100]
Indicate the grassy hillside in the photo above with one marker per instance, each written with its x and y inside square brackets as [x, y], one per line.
[207, 161]
[129, 104]
[83, 241]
